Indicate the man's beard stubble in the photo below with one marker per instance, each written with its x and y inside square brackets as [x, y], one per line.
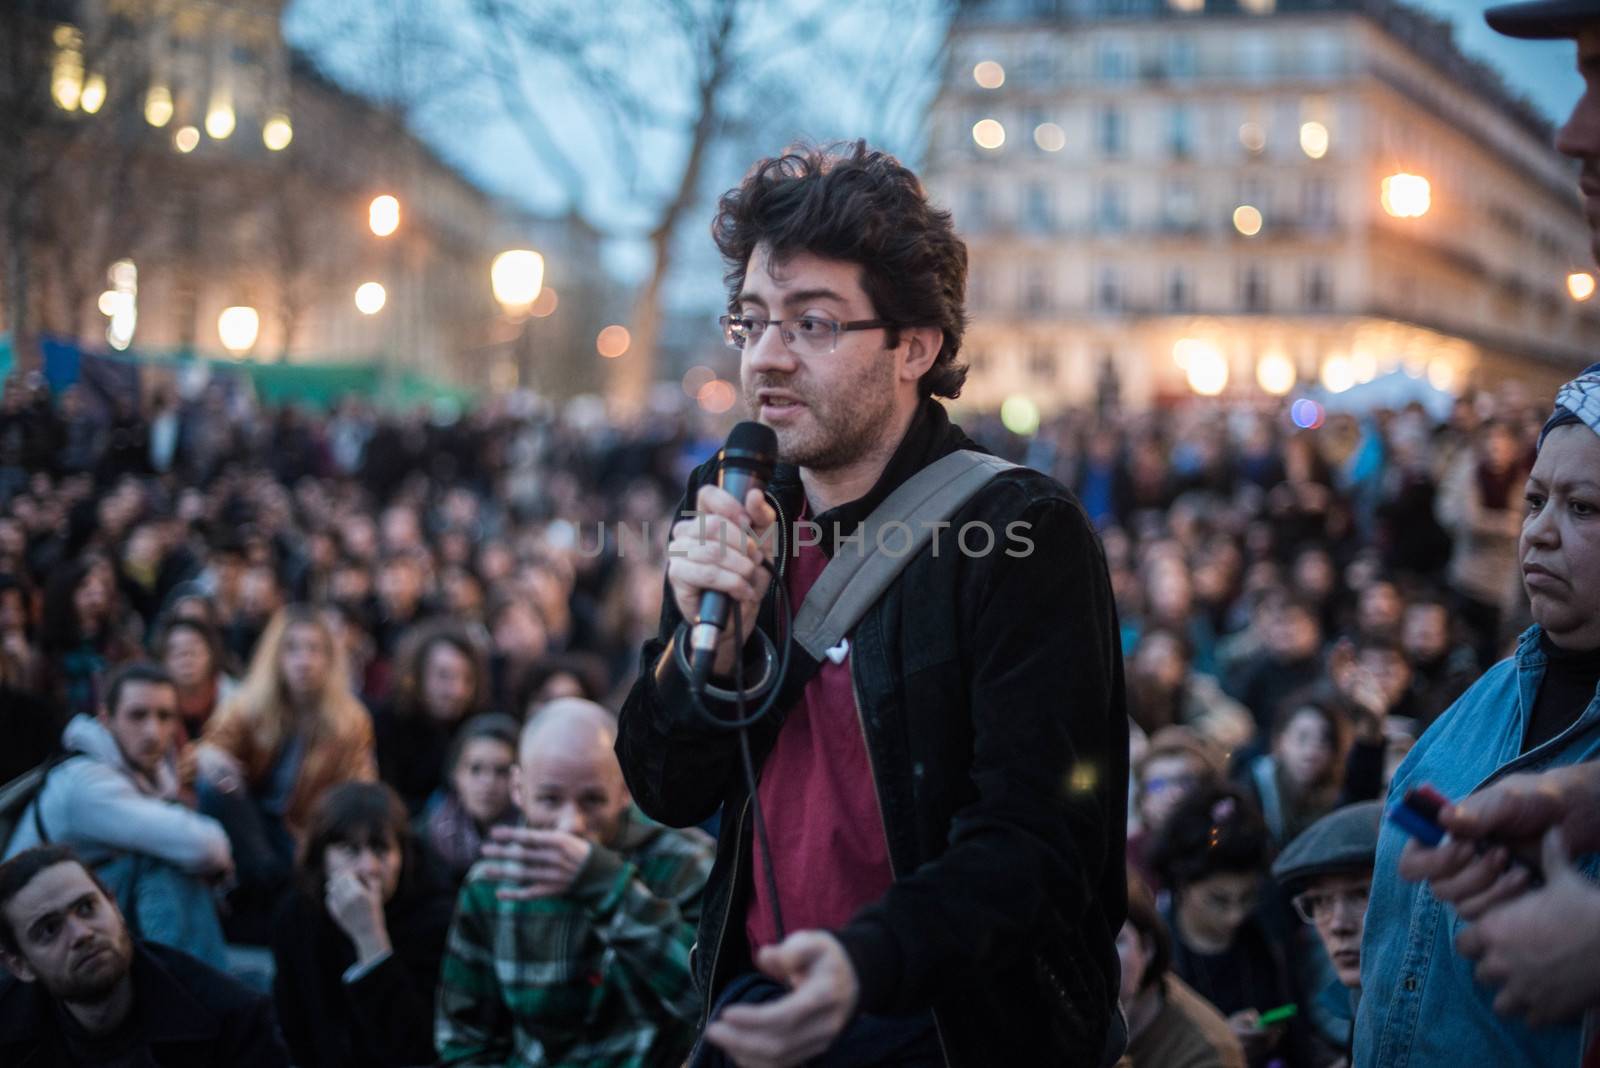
[846, 425]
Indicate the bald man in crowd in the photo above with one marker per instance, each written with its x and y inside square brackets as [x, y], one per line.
[598, 903]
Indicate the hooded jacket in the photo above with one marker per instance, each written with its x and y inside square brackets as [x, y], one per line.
[99, 804]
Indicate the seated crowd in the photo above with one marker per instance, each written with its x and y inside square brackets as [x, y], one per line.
[319, 725]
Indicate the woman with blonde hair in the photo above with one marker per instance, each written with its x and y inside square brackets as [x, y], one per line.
[292, 730]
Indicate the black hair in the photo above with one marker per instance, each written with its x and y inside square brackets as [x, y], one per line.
[862, 206]
[1213, 831]
[355, 813]
[145, 671]
[493, 725]
[19, 871]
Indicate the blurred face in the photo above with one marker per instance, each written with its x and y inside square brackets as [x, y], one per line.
[1381, 607]
[570, 781]
[828, 409]
[1313, 574]
[1425, 632]
[92, 598]
[1305, 748]
[1338, 907]
[1160, 659]
[1294, 635]
[1171, 594]
[400, 584]
[71, 937]
[1498, 447]
[448, 679]
[304, 662]
[1214, 908]
[1133, 950]
[1164, 783]
[145, 723]
[375, 862]
[1560, 544]
[400, 530]
[482, 778]
[188, 658]
[519, 632]
[1389, 670]
[13, 610]
[1580, 137]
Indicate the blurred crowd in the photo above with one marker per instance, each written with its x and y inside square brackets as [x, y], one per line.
[354, 597]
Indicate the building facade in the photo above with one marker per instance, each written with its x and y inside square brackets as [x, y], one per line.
[1242, 197]
[186, 139]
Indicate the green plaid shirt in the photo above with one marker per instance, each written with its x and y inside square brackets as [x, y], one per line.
[597, 978]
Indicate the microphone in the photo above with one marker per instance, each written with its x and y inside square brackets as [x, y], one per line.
[746, 463]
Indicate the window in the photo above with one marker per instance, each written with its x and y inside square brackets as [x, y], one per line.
[1111, 208]
[1181, 57]
[1255, 55]
[1042, 363]
[1180, 131]
[1036, 213]
[1108, 289]
[1253, 288]
[1036, 289]
[1180, 293]
[1316, 203]
[1111, 132]
[1113, 61]
[1180, 209]
[1319, 287]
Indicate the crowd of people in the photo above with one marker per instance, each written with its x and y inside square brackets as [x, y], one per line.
[231, 645]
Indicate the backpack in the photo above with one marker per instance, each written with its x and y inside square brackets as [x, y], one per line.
[18, 796]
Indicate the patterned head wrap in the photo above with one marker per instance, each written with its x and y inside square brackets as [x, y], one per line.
[1576, 402]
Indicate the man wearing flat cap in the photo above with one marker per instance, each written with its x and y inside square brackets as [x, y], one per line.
[1536, 947]
[1327, 871]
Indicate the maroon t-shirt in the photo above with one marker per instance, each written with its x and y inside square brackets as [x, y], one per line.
[829, 854]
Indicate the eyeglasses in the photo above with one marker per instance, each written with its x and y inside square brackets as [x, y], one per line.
[1316, 905]
[806, 336]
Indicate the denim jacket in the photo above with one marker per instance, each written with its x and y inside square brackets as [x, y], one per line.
[1420, 1005]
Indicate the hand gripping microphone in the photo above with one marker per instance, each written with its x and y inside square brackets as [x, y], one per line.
[746, 463]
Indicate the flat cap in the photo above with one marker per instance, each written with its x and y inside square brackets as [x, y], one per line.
[1344, 840]
[1544, 19]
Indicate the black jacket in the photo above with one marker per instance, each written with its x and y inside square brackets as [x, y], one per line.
[191, 1015]
[991, 696]
[385, 1018]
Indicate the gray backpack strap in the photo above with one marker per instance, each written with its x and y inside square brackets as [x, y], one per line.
[894, 533]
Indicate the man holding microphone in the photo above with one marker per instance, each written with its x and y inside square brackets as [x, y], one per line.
[944, 789]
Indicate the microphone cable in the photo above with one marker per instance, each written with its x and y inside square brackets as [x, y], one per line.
[745, 719]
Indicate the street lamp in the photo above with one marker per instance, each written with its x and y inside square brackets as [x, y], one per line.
[383, 215]
[370, 298]
[238, 328]
[1580, 284]
[277, 133]
[1406, 196]
[517, 276]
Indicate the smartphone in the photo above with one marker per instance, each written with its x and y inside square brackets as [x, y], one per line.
[1417, 813]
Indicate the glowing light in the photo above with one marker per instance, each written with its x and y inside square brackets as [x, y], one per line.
[1363, 366]
[123, 274]
[988, 133]
[1314, 139]
[545, 304]
[695, 379]
[238, 328]
[107, 302]
[1206, 369]
[1186, 350]
[1253, 137]
[93, 95]
[1306, 414]
[1275, 374]
[1442, 375]
[1406, 196]
[717, 396]
[1247, 220]
[1019, 414]
[383, 216]
[186, 139]
[120, 304]
[1188, 7]
[220, 121]
[517, 276]
[1337, 374]
[277, 133]
[989, 74]
[1581, 285]
[370, 298]
[158, 106]
[1049, 137]
[613, 341]
[66, 88]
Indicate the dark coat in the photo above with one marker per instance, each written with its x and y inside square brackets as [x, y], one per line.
[991, 697]
[193, 1016]
[385, 1018]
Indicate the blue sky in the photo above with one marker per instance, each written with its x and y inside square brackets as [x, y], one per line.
[1545, 71]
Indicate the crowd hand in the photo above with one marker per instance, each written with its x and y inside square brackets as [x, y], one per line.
[538, 863]
[188, 765]
[357, 908]
[1539, 949]
[1256, 1040]
[1460, 875]
[801, 1024]
[219, 767]
[720, 549]
[1521, 808]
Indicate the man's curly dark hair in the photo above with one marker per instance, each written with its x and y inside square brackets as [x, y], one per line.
[861, 206]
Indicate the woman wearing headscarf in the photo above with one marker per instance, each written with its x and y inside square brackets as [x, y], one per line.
[1535, 710]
